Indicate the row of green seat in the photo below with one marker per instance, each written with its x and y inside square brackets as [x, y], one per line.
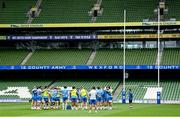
[133, 57]
[80, 57]
[65, 11]
[113, 11]
[12, 56]
[173, 8]
[60, 57]
[171, 57]
[136, 10]
[70, 11]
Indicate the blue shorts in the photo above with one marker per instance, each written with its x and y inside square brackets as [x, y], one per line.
[46, 99]
[109, 99]
[79, 99]
[34, 98]
[39, 98]
[58, 99]
[92, 101]
[99, 99]
[54, 99]
[104, 99]
[64, 99]
[130, 100]
[84, 99]
[73, 99]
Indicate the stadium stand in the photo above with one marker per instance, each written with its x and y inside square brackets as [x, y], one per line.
[12, 56]
[133, 57]
[9, 97]
[174, 8]
[114, 10]
[171, 56]
[15, 89]
[26, 83]
[137, 10]
[65, 11]
[170, 89]
[59, 57]
[15, 11]
[56, 11]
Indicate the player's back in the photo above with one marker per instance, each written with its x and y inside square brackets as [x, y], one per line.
[74, 93]
[99, 92]
[34, 92]
[93, 94]
[83, 92]
[105, 93]
[65, 93]
[39, 92]
[54, 93]
[130, 95]
[109, 92]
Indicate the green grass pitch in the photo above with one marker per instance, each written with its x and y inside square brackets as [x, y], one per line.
[142, 110]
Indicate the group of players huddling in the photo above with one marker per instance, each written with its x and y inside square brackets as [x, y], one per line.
[52, 98]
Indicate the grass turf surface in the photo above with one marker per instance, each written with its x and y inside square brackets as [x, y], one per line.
[163, 110]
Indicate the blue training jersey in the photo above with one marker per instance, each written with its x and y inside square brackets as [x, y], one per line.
[109, 93]
[34, 92]
[100, 93]
[130, 95]
[54, 93]
[39, 92]
[105, 94]
[65, 93]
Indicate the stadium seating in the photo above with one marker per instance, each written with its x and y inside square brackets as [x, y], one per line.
[170, 89]
[55, 11]
[12, 56]
[137, 10]
[171, 56]
[59, 57]
[65, 11]
[173, 8]
[15, 11]
[114, 10]
[26, 83]
[15, 89]
[133, 57]
[137, 88]
[9, 89]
